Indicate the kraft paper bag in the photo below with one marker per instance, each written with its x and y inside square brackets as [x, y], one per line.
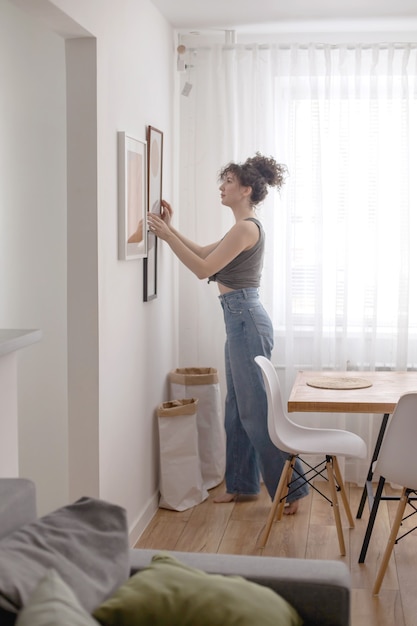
[181, 483]
[203, 383]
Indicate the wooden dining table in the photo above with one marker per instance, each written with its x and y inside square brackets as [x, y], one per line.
[370, 392]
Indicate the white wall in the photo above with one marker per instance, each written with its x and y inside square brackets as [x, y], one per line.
[136, 343]
[33, 238]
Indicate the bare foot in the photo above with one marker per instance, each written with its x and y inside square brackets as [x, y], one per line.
[225, 497]
[291, 507]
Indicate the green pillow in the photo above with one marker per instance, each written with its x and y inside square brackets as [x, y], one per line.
[169, 592]
[54, 604]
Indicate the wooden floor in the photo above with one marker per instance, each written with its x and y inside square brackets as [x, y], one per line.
[234, 528]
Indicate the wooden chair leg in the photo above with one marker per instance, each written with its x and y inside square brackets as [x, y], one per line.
[278, 494]
[281, 505]
[336, 511]
[343, 493]
[391, 541]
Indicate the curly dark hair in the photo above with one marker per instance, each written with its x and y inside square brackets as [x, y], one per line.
[258, 172]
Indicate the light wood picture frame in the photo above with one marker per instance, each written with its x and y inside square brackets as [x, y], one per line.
[155, 141]
[132, 197]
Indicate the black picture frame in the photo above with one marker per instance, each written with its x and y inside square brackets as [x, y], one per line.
[150, 267]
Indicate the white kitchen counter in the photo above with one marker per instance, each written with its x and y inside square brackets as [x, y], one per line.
[11, 340]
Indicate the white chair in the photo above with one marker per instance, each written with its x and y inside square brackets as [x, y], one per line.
[397, 463]
[295, 439]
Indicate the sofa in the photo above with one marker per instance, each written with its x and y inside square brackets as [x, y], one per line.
[318, 590]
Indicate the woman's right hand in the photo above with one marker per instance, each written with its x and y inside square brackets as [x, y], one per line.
[166, 212]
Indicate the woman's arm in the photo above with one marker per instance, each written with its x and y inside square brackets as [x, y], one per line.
[201, 251]
[241, 236]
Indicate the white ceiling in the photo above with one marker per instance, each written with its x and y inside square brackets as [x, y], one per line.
[261, 15]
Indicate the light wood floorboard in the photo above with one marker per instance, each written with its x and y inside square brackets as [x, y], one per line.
[235, 528]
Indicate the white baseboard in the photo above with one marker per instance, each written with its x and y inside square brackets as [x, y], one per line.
[143, 520]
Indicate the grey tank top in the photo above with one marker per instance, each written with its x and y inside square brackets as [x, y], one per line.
[244, 270]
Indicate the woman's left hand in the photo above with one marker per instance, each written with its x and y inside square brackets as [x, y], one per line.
[158, 227]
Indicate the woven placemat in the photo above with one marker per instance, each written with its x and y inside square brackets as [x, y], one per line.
[339, 382]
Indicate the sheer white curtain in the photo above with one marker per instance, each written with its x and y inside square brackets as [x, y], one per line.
[340, 276]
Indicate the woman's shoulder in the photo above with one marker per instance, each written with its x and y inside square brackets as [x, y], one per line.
[255, 222]
[247, 225]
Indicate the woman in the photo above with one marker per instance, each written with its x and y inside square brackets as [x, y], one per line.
[235, 263]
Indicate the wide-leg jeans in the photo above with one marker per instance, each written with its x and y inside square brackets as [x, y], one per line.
[249, 449]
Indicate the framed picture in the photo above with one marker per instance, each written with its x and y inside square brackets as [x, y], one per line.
[132, 192]
[155, 140]
[155, 152]
[150, 269]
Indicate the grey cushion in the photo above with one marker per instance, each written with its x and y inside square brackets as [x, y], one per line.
[85, 542]
[54, 604]
[17, 504]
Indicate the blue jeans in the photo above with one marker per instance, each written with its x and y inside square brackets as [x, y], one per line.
[249, 449]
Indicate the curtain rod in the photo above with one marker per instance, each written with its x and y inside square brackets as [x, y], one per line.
[263, 46]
